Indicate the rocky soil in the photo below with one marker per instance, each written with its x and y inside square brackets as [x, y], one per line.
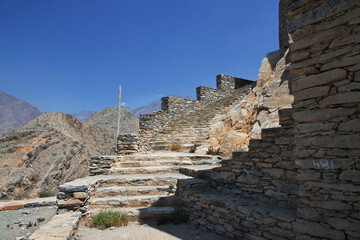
[23, 222]
[53, 149]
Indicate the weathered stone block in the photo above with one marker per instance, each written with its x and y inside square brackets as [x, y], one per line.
[308, 176]
[323, 114]
[354, 86]
[341, 98]
[342, 62]
[318, 230]
[73, 188]
[350, 126]
[314, 92]
[80, 195]
[314, 127]
[308, 214]
[331, 205]
[343, 224]
[219, 229]
[350, 175]
[337, 141]
[273, 173]
[319, 79]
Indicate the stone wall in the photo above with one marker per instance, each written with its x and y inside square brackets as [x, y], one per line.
[325, 55]
[172, 107]
[300, 180]
[226, 82]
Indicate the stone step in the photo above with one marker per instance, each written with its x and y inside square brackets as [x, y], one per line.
[165, 163]
[144, 170]
[201, 171]
[131, 191]
[153, 156]
[27, 203]
[141, 180]
[167, 147]
[186, 143]
[61, 226]
[137, 214]
[134, 201]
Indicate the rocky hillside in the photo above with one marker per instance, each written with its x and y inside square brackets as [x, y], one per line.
[104, 124]
[259, 110]
[53, 149]
[15, 113]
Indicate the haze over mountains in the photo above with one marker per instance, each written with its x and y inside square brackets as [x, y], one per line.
[15, 113]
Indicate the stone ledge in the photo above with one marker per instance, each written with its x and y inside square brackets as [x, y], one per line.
[27, 203]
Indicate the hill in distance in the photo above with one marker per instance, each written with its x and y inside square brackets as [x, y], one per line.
[15, 113]
[54, 148]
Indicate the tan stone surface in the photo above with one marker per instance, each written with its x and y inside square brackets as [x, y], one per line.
[61, 226]
[11, 205]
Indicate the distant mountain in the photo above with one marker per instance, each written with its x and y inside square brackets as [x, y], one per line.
[154, 106]
[15, 113]
[81, 116]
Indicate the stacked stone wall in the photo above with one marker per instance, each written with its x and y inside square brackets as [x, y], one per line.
[172, 107]
[309, 168]
[325, 55]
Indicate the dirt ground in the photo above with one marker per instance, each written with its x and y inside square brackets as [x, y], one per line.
[18, 223]
[146, 231]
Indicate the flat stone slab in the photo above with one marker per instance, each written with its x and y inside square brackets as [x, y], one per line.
[88, 181]
[156, 155]
[27, 203]
[61, 226]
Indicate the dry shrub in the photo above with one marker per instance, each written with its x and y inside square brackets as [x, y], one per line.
[213, 151]
[193, 149]
[176, 148]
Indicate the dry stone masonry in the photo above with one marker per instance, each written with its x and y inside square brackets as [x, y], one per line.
[299, 179]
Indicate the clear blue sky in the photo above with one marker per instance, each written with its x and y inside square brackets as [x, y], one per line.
[71, 55]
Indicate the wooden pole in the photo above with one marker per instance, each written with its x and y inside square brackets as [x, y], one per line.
[118, 119]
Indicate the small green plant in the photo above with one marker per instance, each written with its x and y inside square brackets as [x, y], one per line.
[110, 218]
[44, 194]
[176, 148]
[213, 151]
[193, 149]
[176, 217]
[171, 188]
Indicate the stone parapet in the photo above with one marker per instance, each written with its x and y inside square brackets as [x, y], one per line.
[128, 144]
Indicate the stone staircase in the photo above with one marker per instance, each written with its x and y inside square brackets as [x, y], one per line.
[142, 185]
[193, 128]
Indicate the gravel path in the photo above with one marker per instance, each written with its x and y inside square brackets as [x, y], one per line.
[15, 223]
[148, 231]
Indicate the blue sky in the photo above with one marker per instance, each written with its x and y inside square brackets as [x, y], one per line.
[71, 55]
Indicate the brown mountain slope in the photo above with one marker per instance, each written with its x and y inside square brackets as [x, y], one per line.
[15, 113]
[50, 150]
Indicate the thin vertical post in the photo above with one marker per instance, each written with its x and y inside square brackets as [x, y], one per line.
[118, 119]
